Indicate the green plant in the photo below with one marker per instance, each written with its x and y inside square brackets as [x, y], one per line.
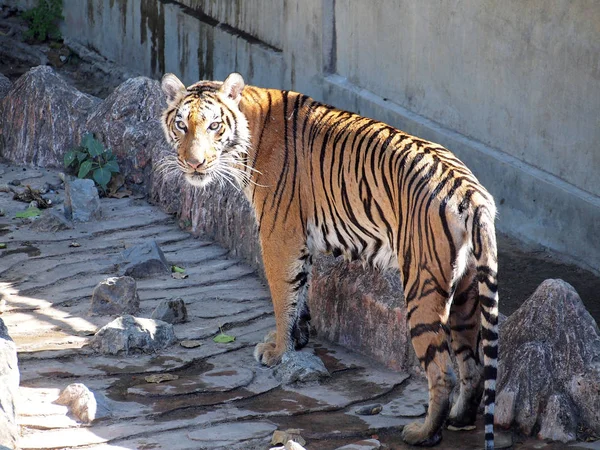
[43, 20]
[92, 160]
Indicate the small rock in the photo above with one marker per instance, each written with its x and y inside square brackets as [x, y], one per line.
[74, 244]
[291, 434]
[82, 202]
[160, 377]
[300, 366]
[190, 343]
[171, 311]
[51, 220]
[179, 275]
[128, 334]
[114, 296]
[14, 182]
[86, 405]
[143, 261]
[369, 410]
[366, 444]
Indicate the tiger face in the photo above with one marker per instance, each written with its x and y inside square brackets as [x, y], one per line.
[204, 125]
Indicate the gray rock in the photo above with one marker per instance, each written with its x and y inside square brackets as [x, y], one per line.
[549, 368]
[143, 261]
[369, 410]
[128, 334]
[82, 202]
[128, 122]
[300, 366]
[29, 135]
[115, 296]
[242, 431]
[171, 311]
[9, 385]
[86, 405]
[51, 220]
[365, 444]
[5, 85]
[362, 309]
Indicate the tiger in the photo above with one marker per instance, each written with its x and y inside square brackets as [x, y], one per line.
[325, 180]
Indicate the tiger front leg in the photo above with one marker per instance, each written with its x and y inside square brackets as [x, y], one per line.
[288, 278]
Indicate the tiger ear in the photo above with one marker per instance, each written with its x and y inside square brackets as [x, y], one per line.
[171, 86]
[233, 86]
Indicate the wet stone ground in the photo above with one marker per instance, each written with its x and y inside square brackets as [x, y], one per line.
[219, 398]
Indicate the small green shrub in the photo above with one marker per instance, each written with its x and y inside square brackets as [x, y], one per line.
[43, 20]
[92, 160]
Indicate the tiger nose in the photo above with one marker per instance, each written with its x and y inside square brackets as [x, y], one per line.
[196, 163]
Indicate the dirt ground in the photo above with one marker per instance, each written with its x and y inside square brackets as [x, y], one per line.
[522, 267]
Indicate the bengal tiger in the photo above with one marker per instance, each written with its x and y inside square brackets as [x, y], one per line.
[325, 180]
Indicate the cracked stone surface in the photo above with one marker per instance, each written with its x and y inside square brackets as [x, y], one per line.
[219, 396]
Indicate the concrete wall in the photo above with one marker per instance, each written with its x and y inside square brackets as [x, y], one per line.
[512, 87]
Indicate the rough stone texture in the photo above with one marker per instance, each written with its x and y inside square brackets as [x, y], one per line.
[143, 261]
[9, 385]
[549, 370]
[115, 296]
[233, 434]
[171, 311]
[130, 334]
[29, 133]
[365, 444]
[83, 403]
[82, 202]
[300, 366]
[5, 85]
[128, 122]
[51, 220]
[361, 309]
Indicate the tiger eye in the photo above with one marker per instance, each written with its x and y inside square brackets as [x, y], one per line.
[181, 126]
[214, 126]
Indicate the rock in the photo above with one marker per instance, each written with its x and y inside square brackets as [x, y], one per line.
[226, 433]
[115, 296]
[171, 311]
[361, 309]
[128, 334]
[366, 444]
[549, 367]
[291, 434]
[32, 136]
[5, 86]
[128, 122]
[300, 366]
[9, 386]
[86, 405]
[51, 220]
[143, 261]
[82, 202]
[369, 410]
[412, 403]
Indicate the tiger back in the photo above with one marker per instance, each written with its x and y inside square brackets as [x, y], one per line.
[323, 180]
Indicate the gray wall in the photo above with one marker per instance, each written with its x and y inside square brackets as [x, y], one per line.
[512, 87]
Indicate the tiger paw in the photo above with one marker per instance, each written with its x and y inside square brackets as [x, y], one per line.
[266, 353]
[414, 434]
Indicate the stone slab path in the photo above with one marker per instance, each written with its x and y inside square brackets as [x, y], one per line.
[220, 398]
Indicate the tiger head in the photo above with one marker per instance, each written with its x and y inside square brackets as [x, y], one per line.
[204, 124]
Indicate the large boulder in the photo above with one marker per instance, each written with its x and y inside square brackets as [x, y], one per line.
[549, 368]
[42, 118]
[9, 385]
[361, 309]
[128, 122]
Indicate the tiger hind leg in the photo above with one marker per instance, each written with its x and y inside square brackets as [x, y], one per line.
[464, 327]
[428, 330]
